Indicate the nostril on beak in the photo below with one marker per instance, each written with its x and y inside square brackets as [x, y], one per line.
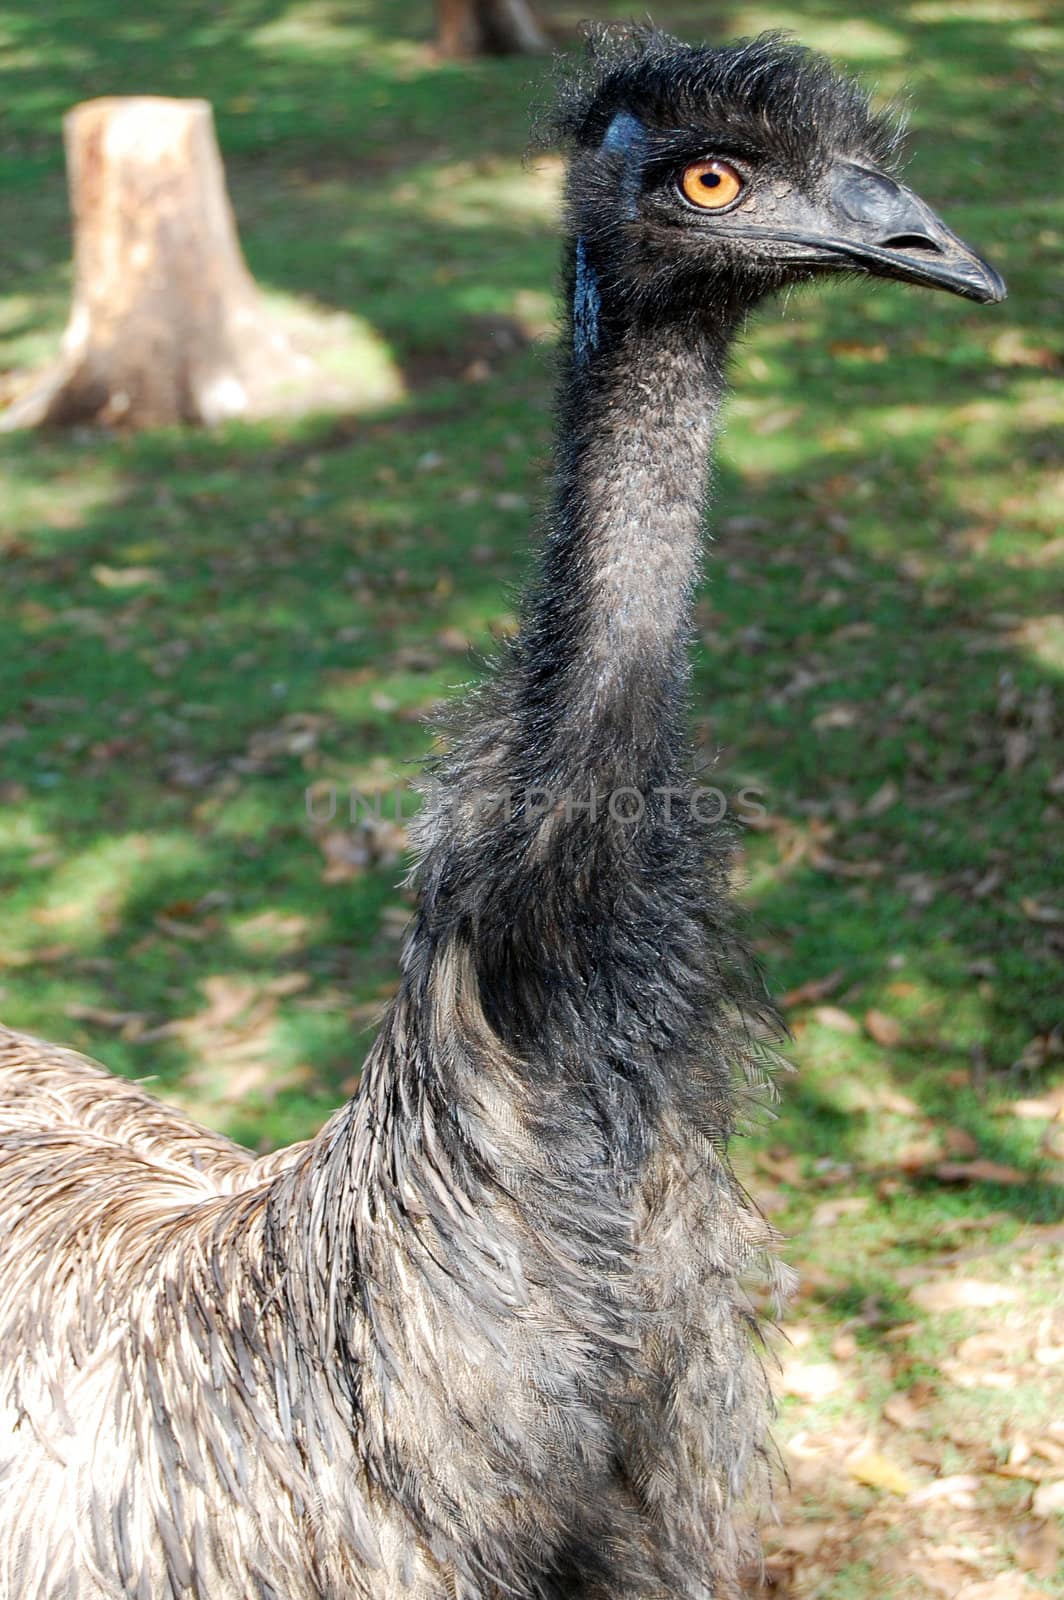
[912, 241]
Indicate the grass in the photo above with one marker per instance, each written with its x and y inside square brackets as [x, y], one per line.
[201, 627]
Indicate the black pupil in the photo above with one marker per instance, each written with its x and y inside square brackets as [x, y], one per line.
[710, 180]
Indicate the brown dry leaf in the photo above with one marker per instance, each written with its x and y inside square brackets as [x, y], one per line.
[882, 1029]
[41, 955]
[774, 421]
[829, 1211]
[877, 1471]
[454, 641]
[835, 1017]
[125, 577]
[918, 1154]
[1035, 911]
[799, 1538]
[779, 1163]
[839, 716]
[903, 1412]
[959, 1142]
[885, 796]
[812, 989]
[981, 1224]
[346, 855]
[814, 1380]
[866, 352]
[899, 1104]
[823, 862]
[190, 932]
[979, 1172]
[1039, 1550]
[131, 1024]
[957, 1489]
[1006, 1586]
[1048, 1497]
[983, 1362]
[942, 1576]
[227, 1000]
[1018, 747]
[1049, 1105]
[958, 1294]
[285, 983]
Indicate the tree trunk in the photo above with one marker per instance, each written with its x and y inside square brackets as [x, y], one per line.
[166, 323]
[489, 27]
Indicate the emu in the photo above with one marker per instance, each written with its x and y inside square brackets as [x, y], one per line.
[487, 1336]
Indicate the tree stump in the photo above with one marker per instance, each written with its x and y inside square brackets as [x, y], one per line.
[489, 27]
[166, 324]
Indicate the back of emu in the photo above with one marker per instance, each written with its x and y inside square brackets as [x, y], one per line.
[485, 1337]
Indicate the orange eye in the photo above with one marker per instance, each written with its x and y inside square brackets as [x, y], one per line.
[711, 185]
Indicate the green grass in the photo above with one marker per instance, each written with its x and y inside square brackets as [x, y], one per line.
[198, 627]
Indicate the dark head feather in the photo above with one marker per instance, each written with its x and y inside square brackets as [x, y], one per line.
[774, 94]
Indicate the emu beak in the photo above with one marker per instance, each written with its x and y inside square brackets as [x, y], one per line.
[886, 229]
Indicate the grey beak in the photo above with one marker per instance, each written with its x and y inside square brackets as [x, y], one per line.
[887, 229]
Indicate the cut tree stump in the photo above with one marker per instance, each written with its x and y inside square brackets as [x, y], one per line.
[166, 323]
[489, 27]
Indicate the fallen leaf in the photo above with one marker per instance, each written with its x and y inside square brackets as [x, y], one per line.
[899, 1104]
[1039, 1550]
[878, 1472]
[844, 1347]
[346, 855]
[885, 796]
[958, 1489]
[918, 1155]
[131, 1024]
[781, 1164]
[1006, 1586]
[902, 1411]
[810, 1380]
[1049, 1105]
[453, 640]
[829, 1211]
[979, 1172]
[812, 989]
[799, 1538]
[839, 716]
[1048, 1497]
[958, 1294]
[1018, 747]
[125, 577]
[884, 1030]
[1035, 911]
[835, 1017]
[959, 1142]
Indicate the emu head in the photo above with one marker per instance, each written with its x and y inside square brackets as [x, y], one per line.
[705, 178]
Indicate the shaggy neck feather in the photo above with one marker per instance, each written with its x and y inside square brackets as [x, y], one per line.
[561, 862]
[603, 654]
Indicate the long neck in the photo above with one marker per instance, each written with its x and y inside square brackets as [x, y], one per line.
[602, 659]
[561, 853]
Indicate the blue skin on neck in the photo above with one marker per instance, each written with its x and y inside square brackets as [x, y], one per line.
[625, 137]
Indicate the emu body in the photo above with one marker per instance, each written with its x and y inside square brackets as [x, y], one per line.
[485, 1337]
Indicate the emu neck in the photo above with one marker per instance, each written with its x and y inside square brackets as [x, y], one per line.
[554, 821]
[603, 653]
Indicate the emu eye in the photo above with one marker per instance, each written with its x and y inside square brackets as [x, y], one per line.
[710, 185]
